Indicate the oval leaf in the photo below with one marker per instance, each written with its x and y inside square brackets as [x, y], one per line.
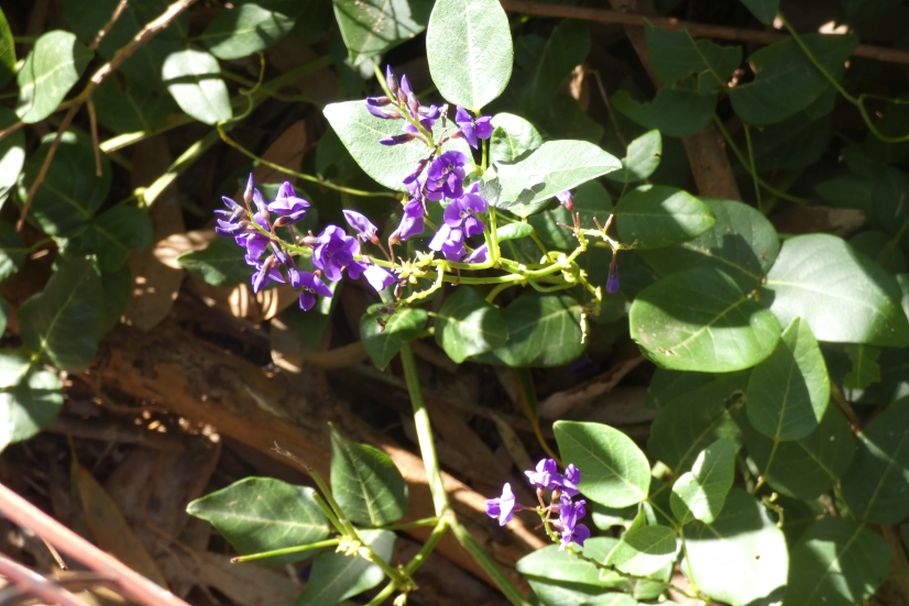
[702, 320]
[28, 406]
[50, 70]
[641, 159]
[193, 78]
[7, 51]
[654, 216]
[372, 27]
[262, 514]
[249, 27]
[614, 471]
[700, 494]
[843, 296]
[12, 154]
[644, 550]
[512, 138]
[466, 325]
[674, 112]
[12, 251]
[469, 50]
[383, 334]
[543, 330]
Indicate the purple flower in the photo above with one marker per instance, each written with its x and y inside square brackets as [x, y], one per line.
[311, 286]
[232, 220]
[445, 176]
[570, 480]
[612, 281]
[268, 272]
[397, 139]
[362, 225]
[378, 277]
[569, 514]
[546, 476]
[502, 507]
[411, 222]
[334, 252]
[566, 199]
[462, 212]
[479, 254]
[473, 128]
[288, 205]
[381, 107]
[450, 241]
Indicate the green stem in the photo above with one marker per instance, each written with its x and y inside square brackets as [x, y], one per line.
[753, 169]
[487, 564]
[285, 551]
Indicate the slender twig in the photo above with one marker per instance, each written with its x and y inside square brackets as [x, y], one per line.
[121, 6]
[135, 586]
[702, 30]
[34, 585]
[93, 127]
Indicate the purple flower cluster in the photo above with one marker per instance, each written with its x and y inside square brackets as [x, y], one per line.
[563, 489]
[254, 224]
[439, 177]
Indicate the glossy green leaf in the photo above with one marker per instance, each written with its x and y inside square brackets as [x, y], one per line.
[262, 514]
[614, 471]
[7, 51]
[335, 577]
[372, 27]
[803, 468]
[15, 364]
[383, 334]
[114, 233]
[763, 10]
[365, 482]
[466, 325]
[866, 369]
[547, 71]
[786, 82]
[843, 296]
[674, 112]
[193, 78]
[29, 405]
[124, 106]
[12, 251]
[543, 330]
[469, 49]
[675, 55]
[836, 562]
[552, 168]
[655, 216]
[691, 420]
[513, 137]
[50, 70]
[739, 558]
[701, 320]
[71, 191]
[514, 231]
[249, 27]
[559, 578]
[789, 391]
[877, 483]
[641, 159]
[12, 154]
[360, 132]
[644, 550]
[117, 288]
[742, 242]
[59, 322]
[219, 264]
[700, 494]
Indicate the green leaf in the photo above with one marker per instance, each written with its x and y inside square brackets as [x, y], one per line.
[372, 27]
[360, 132]
[742, 242]
[877, 484]
[249, 27]
[262, 514]
[591, 202]
[29, 405]
[117, 287]
[219, 264]
[125, 107]
[700, 494]
[836, 562]
[843, 296]
[7, 51]
[466, 325]
[559, 578]
[514, 231]
[59, 323]
[12, 251]
[786, 82]
[71, 192]
[763, 10]
[644, 550]
[335, 577]
[740, 557]
[614, 471]
[469, 50]
[565, 48]
[803, 468]
[193, 78]
[12, 154]
[513, 137]
[543, 330]
[383, 334]
[655, 216]
[365, 482]
[50, 70]
[675, 55]
[15, 364]
[866, 370]
[674, 112]
[788, 392]
[641, 159]
[552, 168]
[690, 421]
[115, 232]
[700, 319]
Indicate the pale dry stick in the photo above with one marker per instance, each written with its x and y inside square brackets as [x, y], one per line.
[34, 585]
[121, 6]
[133, 585]
[151, 29]
[698, 30]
